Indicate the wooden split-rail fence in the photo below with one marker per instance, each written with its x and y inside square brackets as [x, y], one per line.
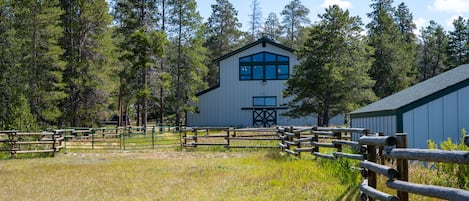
[373, 151]
[229, 137]
[15, 142]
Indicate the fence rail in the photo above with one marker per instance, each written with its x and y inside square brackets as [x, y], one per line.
[229, 137]
[372, 163]
[15, 142]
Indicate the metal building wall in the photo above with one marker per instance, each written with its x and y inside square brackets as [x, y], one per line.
[438, 120]
[222, 106]
[384, 124]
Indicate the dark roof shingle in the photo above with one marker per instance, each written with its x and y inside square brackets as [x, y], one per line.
[419, 91]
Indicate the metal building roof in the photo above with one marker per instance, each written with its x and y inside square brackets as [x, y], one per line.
[419, 94]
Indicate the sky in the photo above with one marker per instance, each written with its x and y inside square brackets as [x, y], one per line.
[441, 11]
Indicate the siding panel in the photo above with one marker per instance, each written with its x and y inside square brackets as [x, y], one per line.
[450, 125]
[463, 102]
[408, 127]
[435, 125]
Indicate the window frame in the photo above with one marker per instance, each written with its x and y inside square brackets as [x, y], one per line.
[280, 60]
[264, 100]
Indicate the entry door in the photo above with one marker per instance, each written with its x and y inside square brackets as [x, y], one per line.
[264, 117]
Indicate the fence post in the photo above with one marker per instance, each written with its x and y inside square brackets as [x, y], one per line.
[153, 137]
[338, 135]
[92, 137]
[228, 137]
[315, 139]
[380, 152]
[402, 165]
[298, 136]
[53, 144]
[371, 156]
[194, 130]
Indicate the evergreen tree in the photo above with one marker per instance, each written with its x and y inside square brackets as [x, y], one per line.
[335, 60]
[222, 35]
[458, 50]
[295, 16]
[137, 20]
[433, 55]
[88, 52]
[405, 23]
[255, 20]
[37, 30]
[272, 27]
[391, 68]
[187, 55]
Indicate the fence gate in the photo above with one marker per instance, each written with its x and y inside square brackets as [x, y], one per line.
[264, 117]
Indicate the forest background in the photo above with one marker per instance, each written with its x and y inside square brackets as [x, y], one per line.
[79, 62]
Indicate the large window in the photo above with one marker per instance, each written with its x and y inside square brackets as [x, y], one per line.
[264, 101]
[264, 66]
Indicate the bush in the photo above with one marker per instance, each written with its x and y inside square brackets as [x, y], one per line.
[449, 174]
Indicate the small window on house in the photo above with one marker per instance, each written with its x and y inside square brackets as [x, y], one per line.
[264, 66]
[264, 101]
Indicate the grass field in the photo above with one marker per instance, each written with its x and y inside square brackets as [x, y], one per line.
[170, 175]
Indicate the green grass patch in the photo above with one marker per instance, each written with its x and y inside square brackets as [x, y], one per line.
[170, 175]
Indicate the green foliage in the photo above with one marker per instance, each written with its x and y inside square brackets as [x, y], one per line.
[295, 17]
[393, 67]
[449, 174]
[432, 52]
[272, 27]
[222, 34]
[458, 50]
[335, 61]
[342, 168]
[88, 51]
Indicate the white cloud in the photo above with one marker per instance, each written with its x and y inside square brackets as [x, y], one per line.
[449, 21]
[419, 23]
[342, 4]
[453, 6]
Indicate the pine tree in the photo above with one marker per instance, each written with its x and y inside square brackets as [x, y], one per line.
[458, 43]
[88, 52]
[433, 55]
[187, 55]
[222, 35]
[137, 20]
[37, 28]
[295, 17]
[391, 68]
[335, 61]
[272, 27]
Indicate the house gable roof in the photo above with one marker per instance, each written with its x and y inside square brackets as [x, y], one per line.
[419, 94]
[259, 41]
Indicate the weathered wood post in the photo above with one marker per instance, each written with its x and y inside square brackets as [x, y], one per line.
[402, 165]
[371, 156]
[153, 137]
[194, 130]
[380, 152]
[298, 136]
[53, 144]
[227, 137]
[338, 135]
[315, 139]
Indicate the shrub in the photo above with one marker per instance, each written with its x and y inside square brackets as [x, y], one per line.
[449, 174]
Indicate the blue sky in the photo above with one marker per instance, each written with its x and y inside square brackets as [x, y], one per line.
[441, 11]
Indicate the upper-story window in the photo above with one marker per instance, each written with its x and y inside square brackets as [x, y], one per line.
[264, 66]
